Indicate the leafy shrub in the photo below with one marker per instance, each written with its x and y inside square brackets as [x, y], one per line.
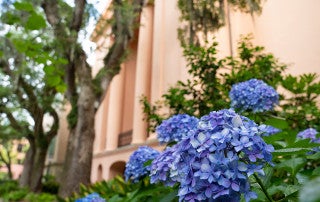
[10, 191]
[42, 197]
[50, 185]
[16, 195]
[186, 167]
[118, 190]
[8, 185]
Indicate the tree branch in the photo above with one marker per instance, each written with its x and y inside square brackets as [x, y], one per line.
[32, 106]
[28, 89]
[122, 30]
[13, 122]
[51, 10]
[78, 15]
[4, 65]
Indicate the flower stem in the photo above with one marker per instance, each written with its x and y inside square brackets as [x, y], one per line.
[262, 187]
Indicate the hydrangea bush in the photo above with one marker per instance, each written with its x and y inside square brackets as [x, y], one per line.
[215, 162]
[253, 95]
[176, 128]
[226, 156]
[135, 167]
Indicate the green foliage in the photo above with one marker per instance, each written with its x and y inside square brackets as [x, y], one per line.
[41, 197]
[29, 39]
[118, 190]
[296, 161]
[300, 102]
[50, 185]
[253, 62]
[10, 191]
[23, 6]
[7, 186]
[16, 195]
[35, 22]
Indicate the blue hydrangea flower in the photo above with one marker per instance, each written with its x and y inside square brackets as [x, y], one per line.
[309, 133]
[136, 168]
[214, 163]
[94, 197]
[267, 130]
[176, 128]
[253, 95]
[161, 166]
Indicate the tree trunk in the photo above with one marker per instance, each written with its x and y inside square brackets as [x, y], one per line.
[77, 167]
[78, 161]
[9, 165]
[33, 166]
[38, 168]
[24, 180]
[7, 162]
[9, 171]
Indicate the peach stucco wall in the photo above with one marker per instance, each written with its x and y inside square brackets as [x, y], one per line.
[290, 29]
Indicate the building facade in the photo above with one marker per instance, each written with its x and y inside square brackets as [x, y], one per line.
[290, 29]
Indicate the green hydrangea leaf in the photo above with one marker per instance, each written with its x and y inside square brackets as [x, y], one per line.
[290, 151]
[292, 165]
[277, 123]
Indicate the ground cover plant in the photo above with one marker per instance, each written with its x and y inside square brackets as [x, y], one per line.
[10, 191]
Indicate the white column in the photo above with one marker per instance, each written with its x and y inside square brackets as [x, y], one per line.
[158, 48]
[103, 128]
[143, 74]
[114, 116]
[98, 129]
